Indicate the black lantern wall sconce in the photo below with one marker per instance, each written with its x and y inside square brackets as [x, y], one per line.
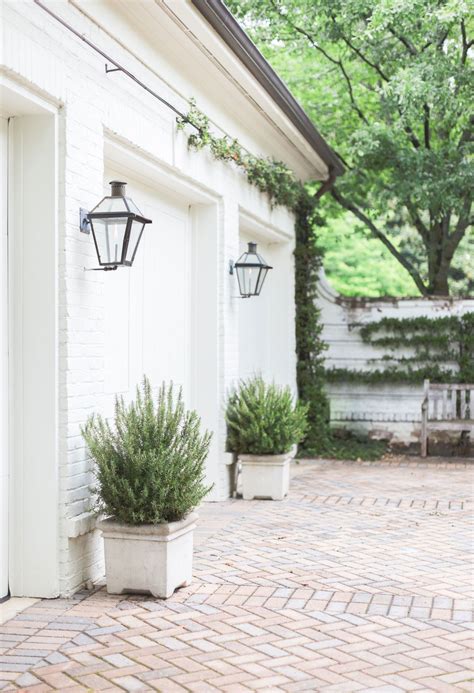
[251, 270]
[117, 227]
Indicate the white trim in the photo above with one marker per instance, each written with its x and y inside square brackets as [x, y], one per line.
[264, 231]
[4, 363]
[18, 99]
[147, 169]
[34, 358]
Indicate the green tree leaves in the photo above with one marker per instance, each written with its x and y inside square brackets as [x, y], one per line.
[390, 83]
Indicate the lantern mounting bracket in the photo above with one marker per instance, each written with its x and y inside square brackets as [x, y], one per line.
[100, 269]
[84, 223]
[231, 267]
[112, 69]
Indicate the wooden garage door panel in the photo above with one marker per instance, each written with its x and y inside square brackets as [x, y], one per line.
[147, 306]
[166, 299]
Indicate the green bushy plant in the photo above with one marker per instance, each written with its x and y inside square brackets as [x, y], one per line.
[262, 419]
[150, 460]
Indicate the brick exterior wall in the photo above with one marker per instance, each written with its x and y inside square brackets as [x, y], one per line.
[45, 61]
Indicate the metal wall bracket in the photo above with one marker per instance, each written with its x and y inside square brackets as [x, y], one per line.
[112, 69]
[84, 221]
[100, 269]
[231, 267]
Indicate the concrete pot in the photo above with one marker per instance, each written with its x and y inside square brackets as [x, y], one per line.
[148, 558]
[265, 476]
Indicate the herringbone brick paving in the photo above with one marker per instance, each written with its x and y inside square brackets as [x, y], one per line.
[360, 581]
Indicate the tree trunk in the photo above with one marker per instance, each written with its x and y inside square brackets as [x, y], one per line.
[439, 285]
[439, 259]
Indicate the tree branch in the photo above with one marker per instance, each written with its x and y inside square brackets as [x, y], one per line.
[335, 61]
[359, 53]
[466, 135]
[378, 234]
[426, 125]
[417, 222]
[411, 135]
[409, 46]
[466, 45]
[462, 224]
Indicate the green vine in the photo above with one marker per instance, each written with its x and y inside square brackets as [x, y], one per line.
[283, 188]
[433, 342]
[271, 177]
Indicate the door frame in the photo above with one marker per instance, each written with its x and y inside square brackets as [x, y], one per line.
[4, 365]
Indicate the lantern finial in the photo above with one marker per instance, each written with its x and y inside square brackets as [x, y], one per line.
[117, 188]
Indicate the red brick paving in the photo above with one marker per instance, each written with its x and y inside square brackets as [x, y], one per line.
[360, 581]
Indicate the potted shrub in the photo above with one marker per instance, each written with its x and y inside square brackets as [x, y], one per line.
[263, 426]
[150, 476]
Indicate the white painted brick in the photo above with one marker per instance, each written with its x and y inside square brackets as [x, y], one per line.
[42, 56]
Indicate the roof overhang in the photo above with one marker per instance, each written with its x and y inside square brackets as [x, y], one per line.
[223, 22]
[232, 82]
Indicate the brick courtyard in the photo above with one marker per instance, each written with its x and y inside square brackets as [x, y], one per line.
[359, 581]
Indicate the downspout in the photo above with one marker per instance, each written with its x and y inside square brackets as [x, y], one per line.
[328, 183]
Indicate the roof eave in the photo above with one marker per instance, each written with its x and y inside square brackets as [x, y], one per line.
[227, 27]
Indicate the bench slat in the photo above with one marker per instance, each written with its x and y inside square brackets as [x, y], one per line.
[451, 386]
[458, 425]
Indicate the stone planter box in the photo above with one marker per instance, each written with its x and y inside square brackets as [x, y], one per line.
[148, 558]
[265, 476]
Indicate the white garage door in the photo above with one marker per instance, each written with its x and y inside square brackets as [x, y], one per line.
[266, 322]
[147, 307]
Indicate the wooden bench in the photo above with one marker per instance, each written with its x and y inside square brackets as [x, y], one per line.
[446, 407]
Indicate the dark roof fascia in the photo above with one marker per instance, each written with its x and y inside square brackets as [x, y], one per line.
[223, 22]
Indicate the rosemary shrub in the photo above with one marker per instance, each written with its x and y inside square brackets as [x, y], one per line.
[262, 419]
[150, 461]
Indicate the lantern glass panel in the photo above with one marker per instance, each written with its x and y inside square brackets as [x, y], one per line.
[261, 279]
[248, 279]
[135, 235]
[111, 204]
[132, 206]
[109, 235]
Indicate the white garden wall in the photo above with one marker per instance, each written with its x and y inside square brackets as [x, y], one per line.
[391, 411]
[83, 335]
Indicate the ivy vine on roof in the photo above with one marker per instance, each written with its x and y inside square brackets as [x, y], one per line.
[271, 177]
[283, 188]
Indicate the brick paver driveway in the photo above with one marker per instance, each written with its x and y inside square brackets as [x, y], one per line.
[359, 581]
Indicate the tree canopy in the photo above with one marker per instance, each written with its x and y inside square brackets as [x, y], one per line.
[390, 84]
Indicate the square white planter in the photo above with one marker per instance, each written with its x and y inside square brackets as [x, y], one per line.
[265, 476]
[148, 558]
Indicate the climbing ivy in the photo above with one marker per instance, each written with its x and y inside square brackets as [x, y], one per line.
[271, 177]
[283, 188]
[310, 347]
[432, 343]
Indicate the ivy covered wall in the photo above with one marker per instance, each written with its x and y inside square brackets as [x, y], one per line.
[412, 349]
[380, 351]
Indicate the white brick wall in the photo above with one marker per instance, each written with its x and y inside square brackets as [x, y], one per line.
[44, 60]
